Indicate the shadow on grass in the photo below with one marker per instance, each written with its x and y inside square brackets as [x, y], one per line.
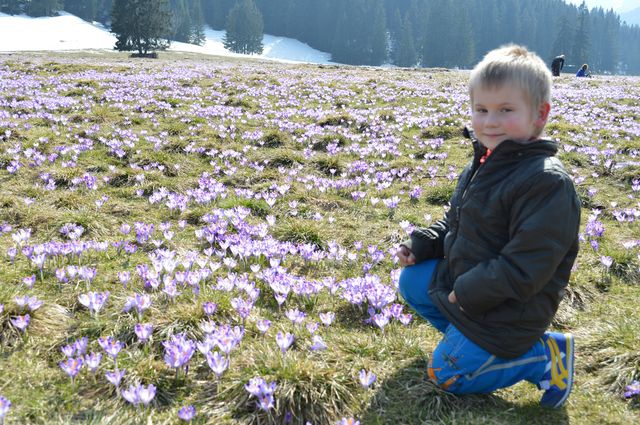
[408, 397]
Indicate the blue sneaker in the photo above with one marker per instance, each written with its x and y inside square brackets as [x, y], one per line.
[558, 376]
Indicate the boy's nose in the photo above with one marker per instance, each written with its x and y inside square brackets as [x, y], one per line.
[491, 120]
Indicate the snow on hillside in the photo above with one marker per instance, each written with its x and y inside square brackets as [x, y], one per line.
[68, 32]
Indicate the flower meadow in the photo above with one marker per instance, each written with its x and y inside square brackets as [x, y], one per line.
[192, 240]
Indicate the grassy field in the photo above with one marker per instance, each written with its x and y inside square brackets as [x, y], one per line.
[247, 214]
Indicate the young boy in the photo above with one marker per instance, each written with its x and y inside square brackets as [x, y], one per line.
[491, 274]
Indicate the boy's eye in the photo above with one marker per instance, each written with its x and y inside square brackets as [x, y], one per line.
[507, 109]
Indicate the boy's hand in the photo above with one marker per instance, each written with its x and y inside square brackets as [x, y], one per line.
[453, 299]
[405, 256]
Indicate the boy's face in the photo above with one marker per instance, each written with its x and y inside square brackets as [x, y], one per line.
[504, 113]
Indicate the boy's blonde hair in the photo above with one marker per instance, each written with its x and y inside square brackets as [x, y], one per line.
[513, 64]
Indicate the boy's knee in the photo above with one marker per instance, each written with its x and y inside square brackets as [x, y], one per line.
[404, 282]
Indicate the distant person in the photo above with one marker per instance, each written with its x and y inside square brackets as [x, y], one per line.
[583, 71]
[556, 65]
[491, 274]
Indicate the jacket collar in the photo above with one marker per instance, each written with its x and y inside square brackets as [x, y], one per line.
[510, 148]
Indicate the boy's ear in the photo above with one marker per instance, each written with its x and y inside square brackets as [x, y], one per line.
[542, 114]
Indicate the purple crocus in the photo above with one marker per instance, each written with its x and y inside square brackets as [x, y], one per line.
[111, 346]
[632, 389]
[143, 331]
[284, 341]
[187, 413]
[94, 301]
[72, 366]
[366, 378]
[178, 351]
[263, 325]
[29, 281]
[209, 308]
[137, 394]
[31, 303]
[92, 361]
[318, 344]
[5, 405]
[140, 302]
[21, 322]
[115, 377]
[327, 318]
[264, 392]
[217, 362]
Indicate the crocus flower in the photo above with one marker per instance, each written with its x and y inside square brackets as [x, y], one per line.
[115, 377]
[187, 413]
[68, 350]
[263, 325]
[94, 301]
[92, 361]
[81, 345]
[146, 394]
[284, 341]
[178, 351]
[137, 394]
[143, 331]
[263, 391]
[131, 395]
[366, 378]
[209, 308]
[5, 405]
[253, 386]
[111, 346]
[72, 366]
[318, 344]
[32, 303]
[632, 389]
[348, 421]
[21, 322]
[327, 318]
[29, 280]
[217, 362]
[606, 261]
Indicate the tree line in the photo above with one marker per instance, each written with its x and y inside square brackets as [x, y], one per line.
[423, 33]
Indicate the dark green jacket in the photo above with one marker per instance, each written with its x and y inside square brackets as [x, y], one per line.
[508, 243]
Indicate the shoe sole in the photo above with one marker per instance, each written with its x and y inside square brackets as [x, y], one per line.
[570, 343]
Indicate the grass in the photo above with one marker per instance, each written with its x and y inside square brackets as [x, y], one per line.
[294, 163]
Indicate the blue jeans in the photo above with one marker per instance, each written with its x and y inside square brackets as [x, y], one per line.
[459, 365]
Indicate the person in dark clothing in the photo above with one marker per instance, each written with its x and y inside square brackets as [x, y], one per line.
[556, 65]
[491, 274]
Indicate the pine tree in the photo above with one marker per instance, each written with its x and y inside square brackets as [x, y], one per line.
[244, 30]
[85, 9]
[197, 23]
[405, 53]
[43, 7]
[180, 21]
[141, 25]
[378, 35]
[581, 43]
[563, 40]
[103, 11]
[12, 7]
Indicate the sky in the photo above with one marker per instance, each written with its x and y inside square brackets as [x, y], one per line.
[68, 32]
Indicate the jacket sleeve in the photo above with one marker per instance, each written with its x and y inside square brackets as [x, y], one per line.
[429, 243]
[544, 224]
